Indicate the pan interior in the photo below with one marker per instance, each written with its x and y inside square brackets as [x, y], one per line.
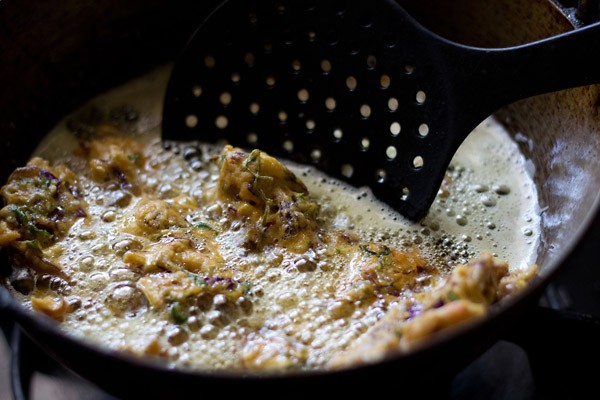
[146, 201]
[558, 134]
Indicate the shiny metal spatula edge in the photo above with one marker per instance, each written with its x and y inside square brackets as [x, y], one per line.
[358, 89]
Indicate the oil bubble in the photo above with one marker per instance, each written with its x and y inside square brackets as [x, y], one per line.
[488, 200]
[461, 220]
[501, 189]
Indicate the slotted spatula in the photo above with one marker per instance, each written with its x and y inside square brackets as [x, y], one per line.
[357, 88]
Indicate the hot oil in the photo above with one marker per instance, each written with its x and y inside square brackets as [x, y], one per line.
[488, 204]
[492, 205]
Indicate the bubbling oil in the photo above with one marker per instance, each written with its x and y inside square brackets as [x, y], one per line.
[492, 205]
[489, 204]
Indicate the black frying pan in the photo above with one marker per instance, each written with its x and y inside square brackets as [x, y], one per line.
[58, 53]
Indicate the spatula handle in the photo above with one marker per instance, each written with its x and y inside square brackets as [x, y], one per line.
[498, 77]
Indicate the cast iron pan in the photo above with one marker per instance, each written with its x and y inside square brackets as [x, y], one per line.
[58, 53]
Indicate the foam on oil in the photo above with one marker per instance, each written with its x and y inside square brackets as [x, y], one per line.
[492, 203]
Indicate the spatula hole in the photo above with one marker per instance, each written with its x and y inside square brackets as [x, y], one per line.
[330, 103]
[393, 104]
[303, 95]
[405, 194]
[252, 17]
[296, 65]
[326, 66]
[347, 170]
[252, 138]
[249, 59]
[380, 176]
[365, 111]
[209, 61]
[418, 162]
[351, 83]
[280, 7]
[191, 121]
[364, 144]
[421, 97]
[391, 152]
[385, 81]
[389, 39]
[423, 130]
[225, 98]
[365, 21]
[288, 146]
[338, 134]
[310, 6]
[340, 7]
[316, 155]
[197, 91]
[221, 122]
[331, 37]
[371, 61]
[287, 37]
[268, 46]
[395, 128]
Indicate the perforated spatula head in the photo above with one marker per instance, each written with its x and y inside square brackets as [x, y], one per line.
[357, 88]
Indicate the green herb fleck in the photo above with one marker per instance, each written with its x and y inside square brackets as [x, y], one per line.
[38, 233]
[366, 250]
[246, 287]
[204, 225]
[198, 280]
[46, 182]
[178, 313]
[33, 245]
[385, 252]
[135, 158]
[20, 214]
[453, 296]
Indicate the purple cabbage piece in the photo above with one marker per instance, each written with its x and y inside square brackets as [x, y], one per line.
[48, 175]
[122, 179]
[438, 303]
[415, 310]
